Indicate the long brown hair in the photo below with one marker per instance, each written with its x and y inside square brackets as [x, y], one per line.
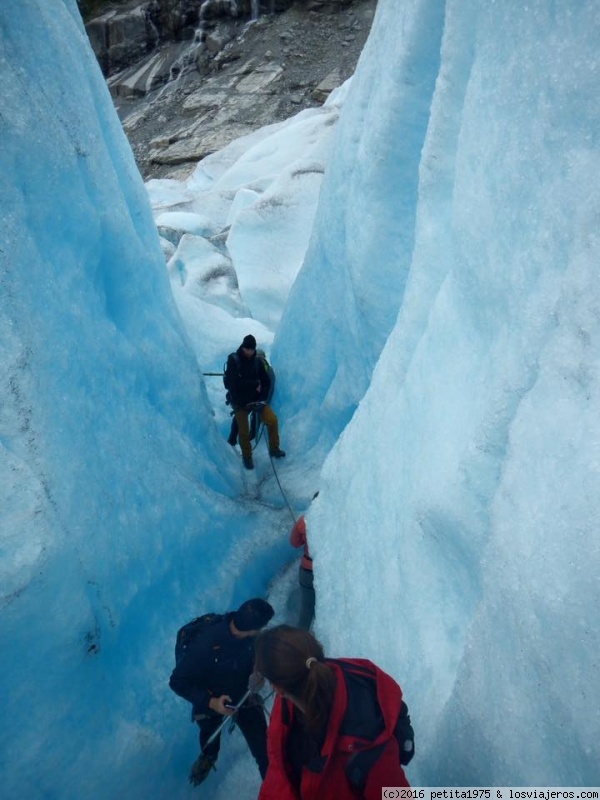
[282, 653]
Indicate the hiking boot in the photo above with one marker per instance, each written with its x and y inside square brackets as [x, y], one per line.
[232, 439]
[201, 769]
[277, 453]
[248, 462]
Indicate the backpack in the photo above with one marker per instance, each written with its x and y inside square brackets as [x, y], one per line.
[360, 764]
[189, 632]
[362, 761]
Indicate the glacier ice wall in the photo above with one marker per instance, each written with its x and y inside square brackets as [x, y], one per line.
[345, 300]
[472, 461]
[106, 434]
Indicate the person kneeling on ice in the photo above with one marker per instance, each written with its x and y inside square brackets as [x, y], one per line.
[248, 384]
[339, 728]
[214, 663]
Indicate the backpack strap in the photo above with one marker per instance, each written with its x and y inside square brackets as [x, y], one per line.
[361, 763]
[405, 735]
[236, 358]
[363, 709]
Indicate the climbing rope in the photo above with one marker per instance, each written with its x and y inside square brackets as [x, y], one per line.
[281, 488]
[255, 408]
[260, 426]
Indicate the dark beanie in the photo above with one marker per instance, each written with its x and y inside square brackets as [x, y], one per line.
[253, 615]
[249, 342]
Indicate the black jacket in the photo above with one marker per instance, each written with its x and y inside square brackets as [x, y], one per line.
[242, 376]
[214, 664]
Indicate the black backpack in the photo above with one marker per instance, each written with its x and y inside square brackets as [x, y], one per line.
[361, 762]
[189, 632]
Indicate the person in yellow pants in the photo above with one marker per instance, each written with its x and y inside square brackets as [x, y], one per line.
[248, 382]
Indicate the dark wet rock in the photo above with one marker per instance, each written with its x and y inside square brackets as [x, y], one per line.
[190, 94]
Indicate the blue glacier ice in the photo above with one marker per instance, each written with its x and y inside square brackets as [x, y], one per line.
[430, 301]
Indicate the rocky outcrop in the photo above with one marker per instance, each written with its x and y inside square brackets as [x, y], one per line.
[225, 108]
[124, 34]
[187, 99]
[121, 37]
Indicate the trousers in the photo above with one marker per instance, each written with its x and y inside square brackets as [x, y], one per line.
[270, 420]
[307, 598]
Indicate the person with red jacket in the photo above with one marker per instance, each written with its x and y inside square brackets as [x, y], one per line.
[339, 727]
[305, 575]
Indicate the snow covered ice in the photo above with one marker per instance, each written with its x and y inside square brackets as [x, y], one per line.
[431, 306]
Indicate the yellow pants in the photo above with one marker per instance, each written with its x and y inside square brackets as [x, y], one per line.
[270, 420]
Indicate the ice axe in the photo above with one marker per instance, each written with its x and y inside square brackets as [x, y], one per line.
[236, 708]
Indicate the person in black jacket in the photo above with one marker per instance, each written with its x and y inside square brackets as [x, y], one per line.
[248, 381]
[213, 675]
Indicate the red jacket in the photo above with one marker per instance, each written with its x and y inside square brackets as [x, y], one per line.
[348, 735]
[298, 539]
